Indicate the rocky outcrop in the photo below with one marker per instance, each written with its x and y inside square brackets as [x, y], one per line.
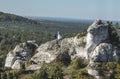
[104, 52]
[98, 43]
[96, 33]
[49, 51]
[95, 46]
[68, 49]
[22, 52]
[98, 47]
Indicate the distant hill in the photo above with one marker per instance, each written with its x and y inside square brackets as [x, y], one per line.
[41, 24]
[7, 17]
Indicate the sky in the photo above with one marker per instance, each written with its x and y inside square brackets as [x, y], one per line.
[75, 9]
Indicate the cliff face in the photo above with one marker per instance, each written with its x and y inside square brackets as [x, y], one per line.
[95, 46]
[96, 33]
[98, 47]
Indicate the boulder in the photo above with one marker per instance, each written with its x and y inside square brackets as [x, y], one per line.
[94, 69]
[21, 52]
[33, 67]
[68, 48]
[10, 59]
[104, 52]
[17, 64]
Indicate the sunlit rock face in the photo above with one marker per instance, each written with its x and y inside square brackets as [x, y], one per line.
[104, 52]
[16, 64]
[69, 48]
[21, 52]
[96, 33]
[95, 46]
[98, 47]
[10, 59]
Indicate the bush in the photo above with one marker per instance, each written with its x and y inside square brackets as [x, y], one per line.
[78, 63]
[49, 71]
[41, 74]
[113, 36]
[82, 74]
[64, 58]
[111, 65]
[55, 72]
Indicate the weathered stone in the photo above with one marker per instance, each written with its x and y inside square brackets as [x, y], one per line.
[22, 52]
[103, 53]
[95, 46]
[16, 64]
[33, 67]
[97, 33]
[10, 59]
[49, 51]
[98, 48]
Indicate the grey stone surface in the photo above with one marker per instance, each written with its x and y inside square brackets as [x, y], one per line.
[104, 52]
[49, 51]
[17, 64]
[97, 33]
[94, 46]
[21, 52]
[98, 47]
[10, 59]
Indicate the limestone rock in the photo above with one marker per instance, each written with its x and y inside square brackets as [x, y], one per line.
[49, 51]
[94, 72]
[99, 49]
[10, 59]
[16, 64]
[21, 52]
[97, 33]
[104, 53]
[95, 46]
[33, 67]
[93, 69]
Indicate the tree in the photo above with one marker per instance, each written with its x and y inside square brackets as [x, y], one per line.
[113, 36]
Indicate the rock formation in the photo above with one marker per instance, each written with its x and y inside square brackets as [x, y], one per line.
[95, 46]
[22, 52]
[49, 51]
[96, 33]
[68, 48]
[98, 47]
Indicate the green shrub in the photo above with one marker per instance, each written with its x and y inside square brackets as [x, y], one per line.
[113, 36]
[55, 72]
[41, 74]
[78, 63]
